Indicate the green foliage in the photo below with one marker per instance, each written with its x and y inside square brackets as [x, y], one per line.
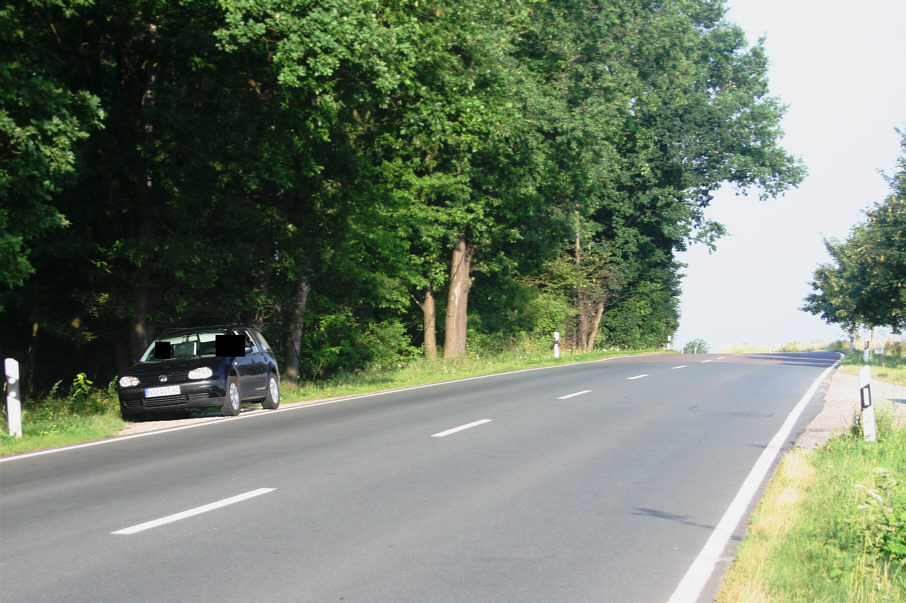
[85, 412]
[696, 346]
[877, 527]
[339, 344]
[206, 158]
[830, 527]
[890, 366]
[41, 125]
[864, 282]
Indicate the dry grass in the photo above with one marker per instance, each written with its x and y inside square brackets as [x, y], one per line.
[829, 527]
[779, 509]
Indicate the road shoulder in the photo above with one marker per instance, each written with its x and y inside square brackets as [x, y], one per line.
[842, 402]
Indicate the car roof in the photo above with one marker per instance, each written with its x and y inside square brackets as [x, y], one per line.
[183, 330]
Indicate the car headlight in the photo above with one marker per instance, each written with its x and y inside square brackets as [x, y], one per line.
[200, 373]
[128, 381]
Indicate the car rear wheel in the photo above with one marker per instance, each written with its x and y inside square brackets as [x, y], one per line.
[233, 403]
[272, 396]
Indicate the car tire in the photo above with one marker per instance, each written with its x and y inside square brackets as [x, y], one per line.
[233, 403]
[272, 395]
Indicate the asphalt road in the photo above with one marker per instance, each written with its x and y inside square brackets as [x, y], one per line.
[591, 482]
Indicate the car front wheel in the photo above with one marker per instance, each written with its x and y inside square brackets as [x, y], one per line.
[272, 396]
[129, 414]
[233, 403]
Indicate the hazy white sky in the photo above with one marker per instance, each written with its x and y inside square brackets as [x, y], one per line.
[841, 69]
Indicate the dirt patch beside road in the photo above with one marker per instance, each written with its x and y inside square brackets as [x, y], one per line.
[841, 403]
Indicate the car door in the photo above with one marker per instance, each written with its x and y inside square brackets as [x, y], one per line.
[255, 367]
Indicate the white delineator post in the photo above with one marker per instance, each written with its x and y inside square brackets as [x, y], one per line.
[868, 409]
[556, 344]
[13, 406]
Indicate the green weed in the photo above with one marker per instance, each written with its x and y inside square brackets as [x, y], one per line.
[843, 535]
[84, 413]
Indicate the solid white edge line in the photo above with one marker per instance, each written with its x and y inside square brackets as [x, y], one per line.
[698, 574]
[291, 407]
[443, 434]
[191, 512]
[637, 377]
[568, 396]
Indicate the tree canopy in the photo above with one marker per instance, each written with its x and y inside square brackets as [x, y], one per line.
[363, 180]
[863, 285]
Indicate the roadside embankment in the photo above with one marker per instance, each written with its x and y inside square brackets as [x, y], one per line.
[831, 525]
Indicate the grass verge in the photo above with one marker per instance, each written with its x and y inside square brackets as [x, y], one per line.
[884, 367]
[830, 527]
[88, 413]
[37, 435]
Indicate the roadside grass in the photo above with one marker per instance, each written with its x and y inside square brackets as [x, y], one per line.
[790, 346]
[63, 431]
[830, 527]
[890, 367]
[88, 413]
[83, 414]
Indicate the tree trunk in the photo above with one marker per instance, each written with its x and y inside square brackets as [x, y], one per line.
[456, 322]
[139, 329]
[582, 322]
[595, 325]
[430, 322]
[294, 340]
[30, 361]
[139, 336]
[139, 94]
[257, 316]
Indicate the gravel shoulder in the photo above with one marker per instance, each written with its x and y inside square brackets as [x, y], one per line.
[208, 416]
[841, 403]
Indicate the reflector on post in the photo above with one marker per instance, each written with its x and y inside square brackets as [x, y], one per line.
[13, 405]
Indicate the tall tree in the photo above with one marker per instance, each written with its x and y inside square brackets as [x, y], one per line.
[41, 123]
[864, 282]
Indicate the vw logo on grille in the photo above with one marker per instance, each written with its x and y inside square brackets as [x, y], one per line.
[163, 378]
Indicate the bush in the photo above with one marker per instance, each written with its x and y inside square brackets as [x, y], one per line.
[83, 399]
[696, 346]
[338, 344]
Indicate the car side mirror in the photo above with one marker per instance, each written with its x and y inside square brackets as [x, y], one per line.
[248, 350]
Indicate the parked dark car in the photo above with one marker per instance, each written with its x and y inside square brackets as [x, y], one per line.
[198, 368]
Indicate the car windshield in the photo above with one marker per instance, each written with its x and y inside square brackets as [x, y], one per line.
[186, 345]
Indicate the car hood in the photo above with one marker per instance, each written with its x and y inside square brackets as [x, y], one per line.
[174, 365]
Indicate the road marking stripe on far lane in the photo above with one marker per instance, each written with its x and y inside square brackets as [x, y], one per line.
[444, 434]
[156, 523]
[678, 367]
[568, 396]
[637, 377]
